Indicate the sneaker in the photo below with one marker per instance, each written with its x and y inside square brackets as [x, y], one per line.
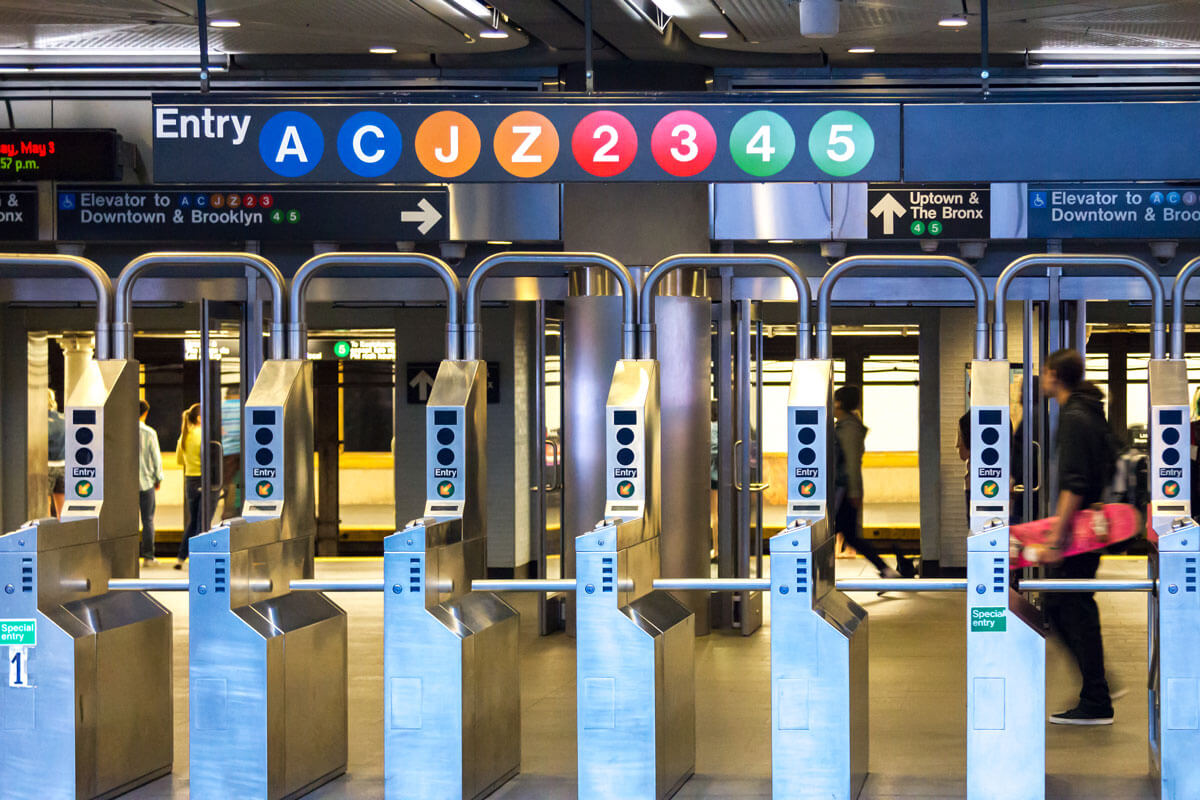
[1081, 716]
[178, 565]
[905, 567]
[149, 562]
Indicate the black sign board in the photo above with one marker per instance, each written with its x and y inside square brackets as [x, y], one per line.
[419, 375]
[60, 154]
[91, 213]
[1114, 211]
[18, 214]
[907, 211]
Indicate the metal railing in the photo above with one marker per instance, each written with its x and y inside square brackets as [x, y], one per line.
[93, 272]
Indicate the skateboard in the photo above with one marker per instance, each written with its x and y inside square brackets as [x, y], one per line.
[1093, 529]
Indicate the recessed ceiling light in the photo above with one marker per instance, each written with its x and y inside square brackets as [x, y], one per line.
[225, 23]
[956, 21]
[493, 33]
[714, 35]
[861, 50]
[383, 51]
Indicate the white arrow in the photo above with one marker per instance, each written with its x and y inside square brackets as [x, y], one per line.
[428, 216]
[422, 382]
[890, 208]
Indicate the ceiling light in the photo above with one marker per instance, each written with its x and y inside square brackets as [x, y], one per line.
[956, 21]
[861, 50]
[781, 241]
[225, 23]
[473, 7]
[714, 35]
[492, 33]
[499, 243]
[383, 51]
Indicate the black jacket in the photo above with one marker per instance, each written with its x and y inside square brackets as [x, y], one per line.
[1085, 454]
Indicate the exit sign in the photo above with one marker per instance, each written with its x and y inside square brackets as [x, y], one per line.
[18, 632]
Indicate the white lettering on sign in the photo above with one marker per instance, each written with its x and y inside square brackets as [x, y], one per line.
[1092, 215]
[624, 472]
[170, 124]
[989, 472]
[1170, 472]
[451, 155]
[263, 472]
[522, 155]
[807, 472]
[83, 472]
[290, 145]
[445, 472]
[379, 152]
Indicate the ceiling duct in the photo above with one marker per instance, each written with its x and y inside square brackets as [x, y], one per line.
[818, 18]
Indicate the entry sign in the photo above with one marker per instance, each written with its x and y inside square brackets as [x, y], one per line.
[419, 376]
[18, 214]
[908, 211]
[1114, 211]
[237, 213]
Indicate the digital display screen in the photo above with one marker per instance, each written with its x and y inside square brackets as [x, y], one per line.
[990, 417]
[84, 416]
[263, 416]
[69, 154]
[807, 416]
[445, 417]
[624, 418]
[1172, 416]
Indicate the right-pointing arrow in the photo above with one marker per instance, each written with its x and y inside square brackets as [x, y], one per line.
[889, 208]
[427, 216]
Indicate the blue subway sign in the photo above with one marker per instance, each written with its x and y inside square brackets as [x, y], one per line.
[204, 140]
[1114, 211]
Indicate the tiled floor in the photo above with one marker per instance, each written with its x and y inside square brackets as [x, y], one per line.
[918, 705]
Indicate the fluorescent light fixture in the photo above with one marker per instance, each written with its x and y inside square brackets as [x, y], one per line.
[672, 8]
[382, 51]
[1107, 65]
[224, 23]
[77, 53]
[861, 50]
[499, 243]
[956, 21]
[714, 35]
[147, 69]
[781, 241]
[493, 33]
[473, 7]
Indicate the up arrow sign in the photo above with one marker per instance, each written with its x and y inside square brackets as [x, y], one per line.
[889, 208]
[426, 215]
[422, 382]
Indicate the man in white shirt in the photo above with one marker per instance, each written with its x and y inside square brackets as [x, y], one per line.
[150, 475]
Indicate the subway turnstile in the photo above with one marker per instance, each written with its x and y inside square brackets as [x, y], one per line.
[87, 709]
[267, 665]
[634, 646]
[452, 715]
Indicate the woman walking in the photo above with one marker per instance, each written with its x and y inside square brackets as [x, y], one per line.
[187, 453]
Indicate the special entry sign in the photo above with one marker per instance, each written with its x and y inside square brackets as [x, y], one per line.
[199, 141]
[1114, 211]
[236, 213]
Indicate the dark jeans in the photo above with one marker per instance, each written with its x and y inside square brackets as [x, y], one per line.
[195, 514]
[1077, 619]
[146, 504]
[231, 488]
[846, 522]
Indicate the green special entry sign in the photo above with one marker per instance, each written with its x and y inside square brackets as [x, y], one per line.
[988, 620]
[18, 632]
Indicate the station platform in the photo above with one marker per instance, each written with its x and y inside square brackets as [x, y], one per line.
[918, 702]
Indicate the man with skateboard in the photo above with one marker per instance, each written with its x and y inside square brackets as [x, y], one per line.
[1086, 460]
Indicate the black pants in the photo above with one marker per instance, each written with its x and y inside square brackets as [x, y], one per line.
[146, 502]
[195, 519]
[1077, 618]
[846, 522]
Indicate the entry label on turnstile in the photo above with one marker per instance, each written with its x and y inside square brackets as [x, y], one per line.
[626, 450]
[1169, 445]
[85, 455]
[264, 464]
[989, 620]
[445, 454]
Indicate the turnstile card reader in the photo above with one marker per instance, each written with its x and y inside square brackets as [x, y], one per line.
[819, 687]
[1175, 662]
[635, 679]
[810, 426]
[1170, 443]
[101, 473]
[452, 710]
[1006, 650]
[86, 709]
[267, 666]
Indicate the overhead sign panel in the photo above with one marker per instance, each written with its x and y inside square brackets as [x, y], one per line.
[94, 213]
[18, 214]
[1114, 211]
[54, 154]
[905, 211]
[200, 140]
[1051, 142]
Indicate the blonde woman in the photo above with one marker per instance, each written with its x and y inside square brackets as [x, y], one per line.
[187, 454]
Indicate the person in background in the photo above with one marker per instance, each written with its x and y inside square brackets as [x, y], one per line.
[187, 453]
[150, 475]
[851, 436]
[963, 444]
[231, 449]
[56, 429]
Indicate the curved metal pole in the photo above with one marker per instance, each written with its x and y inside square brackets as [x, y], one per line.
[298, 310]
[660, 270]
[123, 324]
[920, 263]
[93, 272]
[1158, 333]
[1178, 297]
[614, 267]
